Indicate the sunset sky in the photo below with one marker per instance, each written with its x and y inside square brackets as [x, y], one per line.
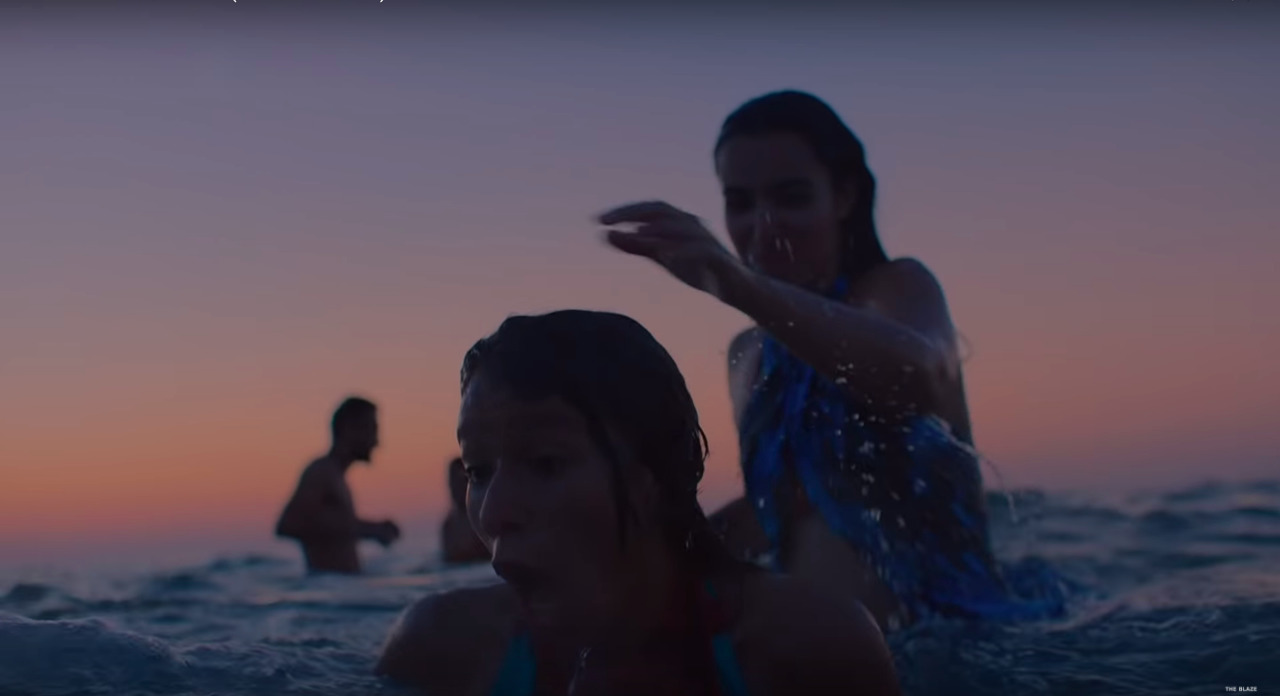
[216, 224]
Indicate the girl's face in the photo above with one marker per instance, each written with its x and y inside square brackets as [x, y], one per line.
[782, 209]
[540, 496]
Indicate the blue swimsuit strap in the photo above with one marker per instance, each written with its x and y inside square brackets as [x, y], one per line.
[518, 674]
[936, 558]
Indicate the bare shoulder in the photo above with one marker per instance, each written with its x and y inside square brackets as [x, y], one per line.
[320, 482]
[906, 291]
[321, 472]
[803, 641]
[451, 642]
[905, 276]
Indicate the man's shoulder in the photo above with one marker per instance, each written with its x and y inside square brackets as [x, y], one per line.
[322, 469]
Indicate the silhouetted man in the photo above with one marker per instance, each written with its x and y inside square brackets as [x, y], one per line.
[458, 540]
[321, 515]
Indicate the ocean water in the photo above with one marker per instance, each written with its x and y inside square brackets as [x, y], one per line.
[1180, 594]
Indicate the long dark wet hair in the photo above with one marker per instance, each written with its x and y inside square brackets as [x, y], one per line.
[836, 147]
[614, 373]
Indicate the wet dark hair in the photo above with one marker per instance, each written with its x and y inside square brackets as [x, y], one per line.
[835, 146]
[350, 411]
[615, 373]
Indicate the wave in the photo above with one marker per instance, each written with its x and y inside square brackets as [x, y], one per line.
[1177, 592]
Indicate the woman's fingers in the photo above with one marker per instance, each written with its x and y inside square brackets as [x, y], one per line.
[645, 212]
[634, 242]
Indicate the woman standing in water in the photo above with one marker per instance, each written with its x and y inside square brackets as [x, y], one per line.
[855, 436]
[583, 451]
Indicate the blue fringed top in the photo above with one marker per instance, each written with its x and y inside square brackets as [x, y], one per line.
[904, 491]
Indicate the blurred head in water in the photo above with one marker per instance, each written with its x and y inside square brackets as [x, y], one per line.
[355, 429]
[798, 196]
[584, 453]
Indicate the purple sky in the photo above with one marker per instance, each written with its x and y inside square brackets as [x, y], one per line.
[214, 223]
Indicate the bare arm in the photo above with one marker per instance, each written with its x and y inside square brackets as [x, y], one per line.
[317, 510]
[897, 342]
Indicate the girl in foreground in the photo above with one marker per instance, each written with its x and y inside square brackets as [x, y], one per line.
[854, 432]
[584, 454]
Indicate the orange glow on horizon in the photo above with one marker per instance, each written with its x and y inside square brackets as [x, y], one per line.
[200, 261]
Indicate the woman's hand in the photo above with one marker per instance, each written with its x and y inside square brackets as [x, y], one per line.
[676, 240]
